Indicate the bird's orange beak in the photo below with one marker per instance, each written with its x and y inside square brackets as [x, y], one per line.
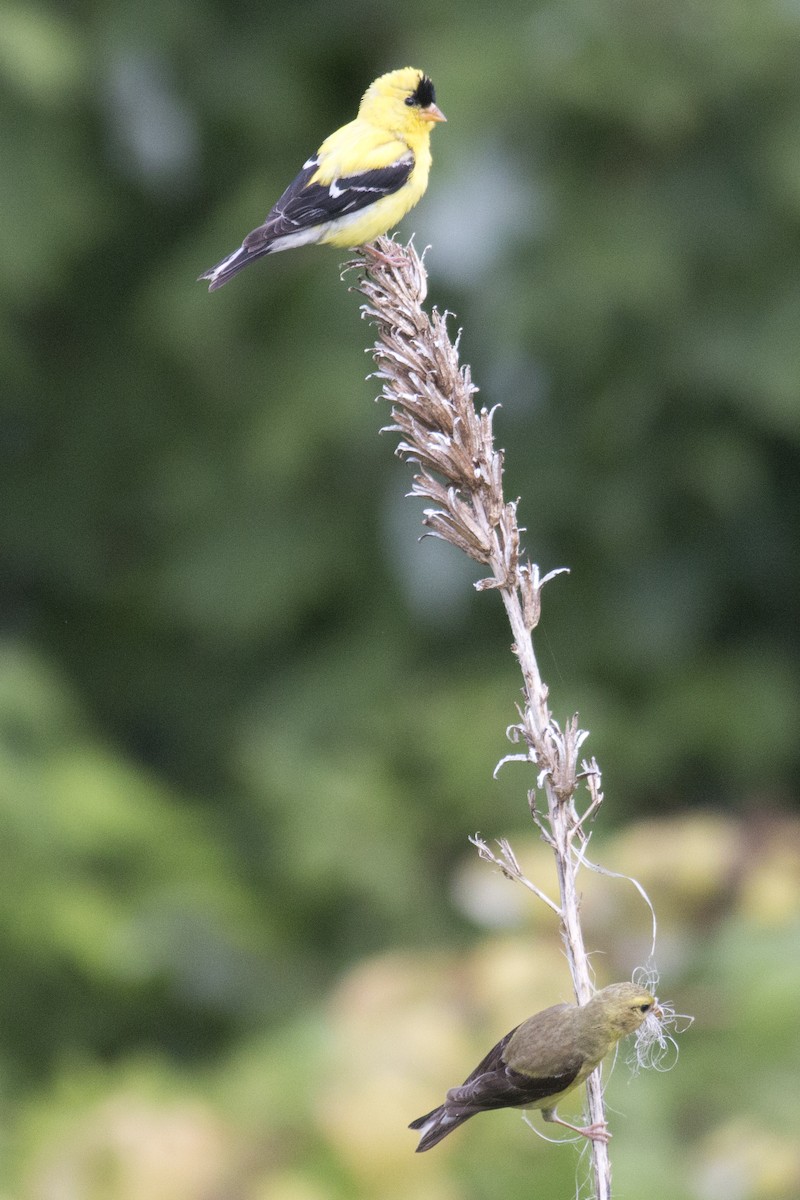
[432, 113]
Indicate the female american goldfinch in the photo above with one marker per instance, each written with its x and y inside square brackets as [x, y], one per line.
[361, 181]
[544, 1058]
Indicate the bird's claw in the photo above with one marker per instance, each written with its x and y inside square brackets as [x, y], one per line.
[599, 1132]
[370, 250]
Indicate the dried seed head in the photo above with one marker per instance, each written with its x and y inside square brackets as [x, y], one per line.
[431, 396]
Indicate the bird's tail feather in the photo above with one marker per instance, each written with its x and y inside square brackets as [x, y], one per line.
[231, 265]
[436, 1125]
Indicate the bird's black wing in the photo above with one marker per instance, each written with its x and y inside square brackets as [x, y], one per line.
[494, 1084]
[305, 204]
[507, 1088]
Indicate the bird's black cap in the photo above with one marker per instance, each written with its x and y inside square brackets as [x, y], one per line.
[424, 93]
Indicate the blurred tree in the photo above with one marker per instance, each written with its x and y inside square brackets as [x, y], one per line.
[247, 721]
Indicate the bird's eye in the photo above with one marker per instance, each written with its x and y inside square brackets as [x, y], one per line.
[410, 101]
[645, 1007]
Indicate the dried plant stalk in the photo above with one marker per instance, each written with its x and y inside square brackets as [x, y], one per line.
[461, 473]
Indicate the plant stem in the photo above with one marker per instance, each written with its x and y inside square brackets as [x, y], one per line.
[460, 472]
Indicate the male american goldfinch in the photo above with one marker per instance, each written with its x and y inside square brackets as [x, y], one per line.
[361, 181]
[544, 1058]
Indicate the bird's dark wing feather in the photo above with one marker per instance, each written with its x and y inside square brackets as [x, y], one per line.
[493, 1084]
[305, 204]
[507, 1088]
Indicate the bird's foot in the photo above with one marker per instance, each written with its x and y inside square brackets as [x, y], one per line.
[598, 1132]
[370, 250]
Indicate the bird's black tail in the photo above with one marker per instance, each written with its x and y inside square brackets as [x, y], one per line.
[436, 1125]
[232, 265]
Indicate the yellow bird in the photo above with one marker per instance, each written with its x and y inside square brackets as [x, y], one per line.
[542, 1060]
[362, 180]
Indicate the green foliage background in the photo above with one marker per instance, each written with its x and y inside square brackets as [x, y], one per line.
[246, 721]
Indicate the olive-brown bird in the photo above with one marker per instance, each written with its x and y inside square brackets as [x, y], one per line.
[542, 1060]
